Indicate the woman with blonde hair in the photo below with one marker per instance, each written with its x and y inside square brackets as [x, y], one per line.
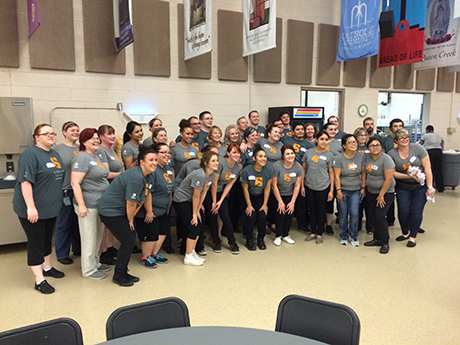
[232, 135]
[214, 138]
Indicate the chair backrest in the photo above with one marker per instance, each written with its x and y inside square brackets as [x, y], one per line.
[164, 313]
[54, 332]
[328, 322]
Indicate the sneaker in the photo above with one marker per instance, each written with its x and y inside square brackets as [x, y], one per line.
[191, 260]
[310, 237]
[277, 241]
[149, 262]
[160, 259]
[251, 245]
[355, 243]
[112, 251]
[136, 250]
[202, 252]
[261, 244]
[234, 249]
[216, 248]
[107, 259]
[179, 242]
[319, 240]
[133, 278]
[123, 280]
[288, 240]
[196, 256]
[52, 272]
[44, 288]
[98, 275]
[104, 268]
[65, 261]
[343, 242]
[329, 230]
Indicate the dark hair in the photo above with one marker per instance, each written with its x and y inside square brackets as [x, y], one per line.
[320, 134]
[103, 129]
[183, 124]
[257, 149]
[157, 131]
[286, 147]
[152, 121]
[327, 125]
[206, 157]
[37, 130]
[144, 151]
[429, 128]
[395, 121]
[248, 131]
[270, 127]
[282, 113]
[374, 138]
[367, 119]
[252, 111]
[296, 125]
[332, 116]
[345, 139]
[232, 146]
[314, 127]
[239, 119]
[68, 124]
[85, 135]
[130, 126]
[157, 146]
[203, 113]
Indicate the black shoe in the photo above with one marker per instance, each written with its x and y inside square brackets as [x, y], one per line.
[373, 243]
[237, 231]
[251, 245]
[391, 223]
[77, 253]
[261, 244]
[411, 244]
[133, 278]
[421, 231]
[123, 280]
[329, 230]
[65, 261]
[136, 250]
[169, 250]
[216, 248]
[402, 238]
[107, 259]
[53, 273]
[384, 249]
[234, 249]
[268, 230]
[44, 288]
[112, 251]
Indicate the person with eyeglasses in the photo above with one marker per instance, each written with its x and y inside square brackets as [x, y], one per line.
[67, 232]
[37, 202]
[89, 181]
[411, 193]
[349, 183]
[380, 188]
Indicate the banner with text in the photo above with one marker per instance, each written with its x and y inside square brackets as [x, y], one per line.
[259, 26]
[359, 28]
[32, 13]
[457, 9]
[441, 35]
[405, 43]
[197, 28]
[122, 20]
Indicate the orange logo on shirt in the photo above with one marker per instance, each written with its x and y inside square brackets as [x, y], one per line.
[273, 149]
[328, 147]
[289, 134]
[167, 178]
[146, 189]
[228, 175]
[296, 148]
[352, 166]
[187, 155]
[55, 162]
[100, 165]
[287, 177]
[407, 165]
[195, 145]
[315, 159]
[259, 182]
[75, 153]
[117, 159]
[369, 167]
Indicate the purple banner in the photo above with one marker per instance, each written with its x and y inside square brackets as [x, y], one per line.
[34, 20]
[125, 30]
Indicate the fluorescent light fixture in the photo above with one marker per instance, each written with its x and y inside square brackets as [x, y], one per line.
[142, 118]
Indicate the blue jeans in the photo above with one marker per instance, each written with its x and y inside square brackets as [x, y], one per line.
[67, 231]
[411, 202]
[349, 207]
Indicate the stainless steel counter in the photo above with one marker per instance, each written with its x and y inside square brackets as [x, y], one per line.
[10, 228]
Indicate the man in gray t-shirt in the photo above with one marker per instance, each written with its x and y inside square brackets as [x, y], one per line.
[433, 143]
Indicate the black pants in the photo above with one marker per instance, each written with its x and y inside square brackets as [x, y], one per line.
[317, 202]
[391, 213]
[39, 239]
[436, 167]
[377, 215]
[236, 203]
[227, 227]
[272, 207]
[184, 216]
[362, 208]
[257, 216]
[119, 227]
[283, 220]
[302, 212]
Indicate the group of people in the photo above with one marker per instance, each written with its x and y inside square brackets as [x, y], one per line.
[107, 186]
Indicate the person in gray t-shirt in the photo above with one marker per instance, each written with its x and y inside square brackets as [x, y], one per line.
[272, 144]
[131, 141]
[433, 143]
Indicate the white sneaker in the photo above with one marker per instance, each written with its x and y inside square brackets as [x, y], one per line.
[277, 241]
[355, 243]
[288, 240]
[196, 256]
[343, 242]
[192, 261]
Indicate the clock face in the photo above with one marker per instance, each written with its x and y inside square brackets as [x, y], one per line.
[362, 110]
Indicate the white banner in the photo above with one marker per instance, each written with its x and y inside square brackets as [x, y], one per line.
[259, 26]
[197, 28]
[457, 9]
[442, 41]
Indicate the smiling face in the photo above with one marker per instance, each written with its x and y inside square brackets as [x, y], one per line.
[196, 125]
[252, 138]
[108, 138]
[235, 155]
[279, 124]
[46, 138]
[254, 118]
[351, 144]
[164, 154]
[332, 130]
[333, 120]
[362, 138]
[207, 121]
[91, 145]
[233, 135]
[243, 124]
[274, 134]
[289, 156]
[216, 135]
[403, 141]
[260, 158]
[285, 119]
[161, 137]
[213, 162]
[72, 133]
[149, 163]
[310, 132]
[187, 135]
[299, 132]
[137, 134]
[375, 147]
[322, 141]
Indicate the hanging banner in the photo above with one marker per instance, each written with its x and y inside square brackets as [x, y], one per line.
[197, 28]
[457, 9]
[405, 43]
[359, 27]
[32, 13]
[259, 26]
[122, 20]
[441, 35]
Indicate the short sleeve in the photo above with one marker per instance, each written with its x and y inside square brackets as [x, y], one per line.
[197, 182]
[28, 167]
[80, 163]
[421, 151]
[244, 176]
[337, 162]
[126, 152]
[388, 163]
[132, 189]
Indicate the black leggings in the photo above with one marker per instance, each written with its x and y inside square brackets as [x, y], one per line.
[39, 239]
[256, 216]
[185, 213]
[377, 215]
[284, 221]
[317, 203]
[227, 227]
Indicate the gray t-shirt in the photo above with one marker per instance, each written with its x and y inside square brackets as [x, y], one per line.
[261, 131]
[67, 153]
[188, 167]
[273, 151]
[148, 142]
[286, 177]
[227, 174]
[222, 150]
[363, 149]
[196, 180]
[300, 146]
[350, 170]
[256, 180]
[161, 193]
[109, 156]
[375, 171]
[416, 154]
[95, 181]
[130, 150]
[130, 185]
[246, 157]
[318, 164]
[388, 143]
[431, 141]
[335, 146]
[180, 155]
[45, 171]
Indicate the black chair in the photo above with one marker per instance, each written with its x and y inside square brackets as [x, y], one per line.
[331, 323]
[54, 332]
[164, 313]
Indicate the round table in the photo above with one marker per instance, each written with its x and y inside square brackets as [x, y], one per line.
[212, 335]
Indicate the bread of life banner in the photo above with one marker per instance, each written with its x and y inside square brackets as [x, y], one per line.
[403, 44]
[197, 28]
[259, 26]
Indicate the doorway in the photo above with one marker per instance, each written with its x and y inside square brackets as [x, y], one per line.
[330, 99]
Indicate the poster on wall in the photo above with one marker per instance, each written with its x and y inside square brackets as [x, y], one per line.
[359, 29]
[441, 35]
[32, 13]
[259, 26]
[197, 28]
[405, 43]
[122, 20]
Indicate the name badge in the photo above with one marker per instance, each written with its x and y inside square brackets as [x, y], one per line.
[112, 158]
[375, 167]
[251, 178]
[412, 159]
[267, 146]
[50, 165]
[92, 163]
[353, 166]
[303, 149]
[323, 158]
[192, 154]
[250, 154]
[293, 174]
[169, 172]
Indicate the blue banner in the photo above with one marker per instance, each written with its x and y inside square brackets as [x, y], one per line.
[359, 29]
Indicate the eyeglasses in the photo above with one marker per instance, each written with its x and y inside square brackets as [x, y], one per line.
[48, 134]
[352, 142]
[164, 152]
[95, 139]
[375, 146]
